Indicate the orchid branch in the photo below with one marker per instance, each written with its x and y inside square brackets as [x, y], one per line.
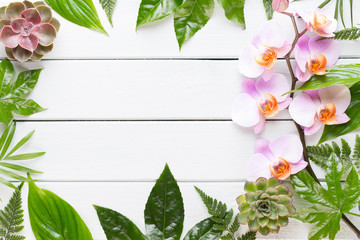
[298, 127]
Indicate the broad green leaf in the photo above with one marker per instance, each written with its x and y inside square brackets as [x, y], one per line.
[18, 168]
[164, 210]
[329, 226]
[6, 75]
[190, 17]
[203, 230]
[25, 156]
[109, 7]
[117, 226]
[21, 143]
[153, 10]
[80, 12]
[339, 75]
[351, 191]
[13, 93]
[307, 188]
[333, 131]
[268, 8]
[333, 175]
[52, 218]
[234, 10]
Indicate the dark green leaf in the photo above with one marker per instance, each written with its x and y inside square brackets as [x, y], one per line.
[328, 225]
[333, 131]
[6, 75]
[24, 84]
[203, 230]
[234, 10]
[351, 191]
[153, 10]
[116, 226]
[109, 7]
[52, 218]
[268, 8]
[80, 12]
[339, 75]
[164, 211]
[190, 17]
[334, 173]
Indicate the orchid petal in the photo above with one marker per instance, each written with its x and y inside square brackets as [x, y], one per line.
[299, 166]
[259, 127]
[268, 73]
[248, 86]
[271, 34]
[313, 128]
[277, 85]
[284, 104]
[342, 118]
[337, 95]
[288, 147]
[262, 146]
[245, 111]
[302, 52]
[9, 38]
[328, 47]
[282, 51]
[303, 76]
[247, 63]
[302, 109]
[258, 167]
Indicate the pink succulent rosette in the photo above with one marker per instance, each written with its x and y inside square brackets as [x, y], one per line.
[318, 21]
[260, 57]
[314, 56]
[27, 30]
[326, 106]
[280, 158]
[259, 100]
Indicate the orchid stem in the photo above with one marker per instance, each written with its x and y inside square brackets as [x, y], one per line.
[300, 129]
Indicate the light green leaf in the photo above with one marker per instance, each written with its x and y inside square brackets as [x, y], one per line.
[109, 7]
[9, 138]
[164, 210]
[52, 218]
[328, 225]
[339, 75]
[268, 8]
[153, 10]
[25, 156]
[18, 168]
[190, 17]
[234, 10]
[333, 131]
[203, 230]
[334, 173]
[80, 12]
[351, 191]
[117, 226]
[21, 143]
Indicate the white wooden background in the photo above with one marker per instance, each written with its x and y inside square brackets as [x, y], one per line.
[121, 107]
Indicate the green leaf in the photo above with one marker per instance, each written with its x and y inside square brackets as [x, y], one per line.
[164, 211]
[333, 131]
[234, 10]
[52, 218]
[323, 4]
[117, 226]
[25, 156]
[21, 143]
[328, 225]
[268, 9]
[339, 75]
[190, 17]
[248, 236]
[13, 92]
[18, 168]
[12, 217]
[153, 10]
[109, 7]
[333, 175]
[80, 12]
[351, 191]
[203, 230]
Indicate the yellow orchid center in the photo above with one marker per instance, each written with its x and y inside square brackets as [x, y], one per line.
[266, 57]
[268, 105]
[326, 113]
[317, 64]
[280, 169]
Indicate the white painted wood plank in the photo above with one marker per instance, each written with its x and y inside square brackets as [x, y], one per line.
[219, 38]
[130, 198]
[128, 90]
[130, 151]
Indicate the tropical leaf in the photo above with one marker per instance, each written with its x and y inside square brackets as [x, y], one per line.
[234, 10]
[80, 12]
[153, 10]
[190, 17]
[268, 9]
[203, 230]
[109, 7]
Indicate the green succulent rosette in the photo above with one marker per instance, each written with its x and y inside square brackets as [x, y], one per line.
[266, 206]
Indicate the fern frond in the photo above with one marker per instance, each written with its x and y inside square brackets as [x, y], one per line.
[248, 236]
[356, 154]
[320, 154]
[346, 34]
[11, 217]
[109, 7]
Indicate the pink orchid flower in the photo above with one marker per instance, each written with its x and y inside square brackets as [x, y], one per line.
[313, 56]
[28, 31]
[260, 57]
[280, 5]
[318, 21]
[259, 100]
[280, 158]
[313, 109]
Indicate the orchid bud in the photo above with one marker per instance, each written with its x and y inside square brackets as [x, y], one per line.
[280, 5]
